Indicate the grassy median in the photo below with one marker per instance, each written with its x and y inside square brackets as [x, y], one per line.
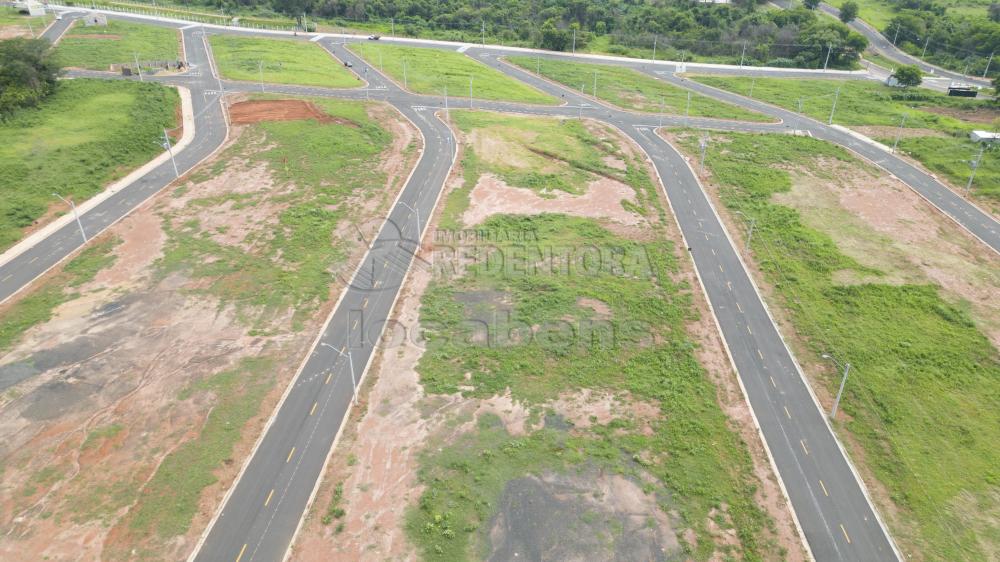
[630, 89]
[279, 61]
[119, 42]
[430, 71]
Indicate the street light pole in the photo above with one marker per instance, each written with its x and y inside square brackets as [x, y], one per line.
[405, 84]
[829, 49]
[470, 92]
[76, 215]
[988, 62]
[703, 143]
[834, 108]
[417, 212]
[753, 226]
[843, 382]
[595, 85]
[899, 134]
[260, 72]
[138, 68]
[170, 150]
[350, 360]
[975, 166]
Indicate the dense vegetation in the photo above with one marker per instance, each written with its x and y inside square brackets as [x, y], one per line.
[924, 398]
[27, 74]
[678, 28]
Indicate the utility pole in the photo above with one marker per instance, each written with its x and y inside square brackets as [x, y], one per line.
[170, 150]
[829, 49]
[76, 215]
[483, 23]
[538, 66]
[138, 68]
[988, 62]
[927, 42]
[595, 85]
[470, 92]
[975, 166]
[393, 20]
[896, 36]
[743, 54]
[703, 143]
[843, 381]
[31, 30]
[661, 111]
[836, 96]
[753, 226]
[752, 84]
[350, 359]
[380, 67]
[899, 134]
[574, 40]
[446, 114]
[417, 212]
[800, 105]
[405, 85]
[260, 72]
[687, 108]
[655, 37]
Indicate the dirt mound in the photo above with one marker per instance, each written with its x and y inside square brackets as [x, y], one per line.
[255, 111]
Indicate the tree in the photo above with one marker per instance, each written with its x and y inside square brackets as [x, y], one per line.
[994, 12]
[848, 11]
[811, 4]
[553, 38]
[27, 73]
[908, 75]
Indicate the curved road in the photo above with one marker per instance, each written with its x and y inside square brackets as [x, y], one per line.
[262, 511]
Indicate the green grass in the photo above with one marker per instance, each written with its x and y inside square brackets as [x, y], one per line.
[430, 71]
[147, 42]
[169, 502]
[630, 89]
[285, 61]
[864, 102]
[923, 401]
[874, 12]
[37, 306]
[9, 17]
[85, 135]
[692, 456]
[320, 166]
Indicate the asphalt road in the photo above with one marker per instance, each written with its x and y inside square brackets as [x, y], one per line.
[260, 514]
[879, 42]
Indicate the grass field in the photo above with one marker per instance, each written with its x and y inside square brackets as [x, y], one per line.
[922, 401]
[290, 267]
[690, 458]
[281, 61]
[864, 102]
[119, 42]
[9, 17]
[88, 133]
[430, 71]
[629, 89]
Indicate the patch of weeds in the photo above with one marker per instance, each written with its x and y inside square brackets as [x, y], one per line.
[334, 510]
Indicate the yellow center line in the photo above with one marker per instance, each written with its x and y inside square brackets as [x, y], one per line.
[720, 267]
[787, 413]
[772, 381]
[822, 485]
[804, 448]
[740, 308]
[328, 377]
[240, 555]
[713, 251]
[364, 304]
[34, 259]
[290, 453]
[761, 355]
[355, 327]
[749, 331]
[313, 409]
[730, 285]
[268, 500]
[8, 277]
[846, 536]
[385, 264]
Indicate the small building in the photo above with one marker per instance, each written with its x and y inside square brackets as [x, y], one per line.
[985, 136]
[95, 20]
[962, 90]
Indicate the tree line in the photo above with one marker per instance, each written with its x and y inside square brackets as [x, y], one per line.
[28, 74]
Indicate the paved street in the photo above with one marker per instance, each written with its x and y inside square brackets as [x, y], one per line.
[263, 509]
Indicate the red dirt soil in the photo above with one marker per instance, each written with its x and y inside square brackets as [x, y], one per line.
[255, 111]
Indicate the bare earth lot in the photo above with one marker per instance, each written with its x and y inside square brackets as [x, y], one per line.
[366, 506]
[133, 373]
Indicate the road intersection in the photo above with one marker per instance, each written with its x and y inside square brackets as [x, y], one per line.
[263, 510]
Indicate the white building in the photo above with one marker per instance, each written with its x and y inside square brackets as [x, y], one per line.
[984, 136]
